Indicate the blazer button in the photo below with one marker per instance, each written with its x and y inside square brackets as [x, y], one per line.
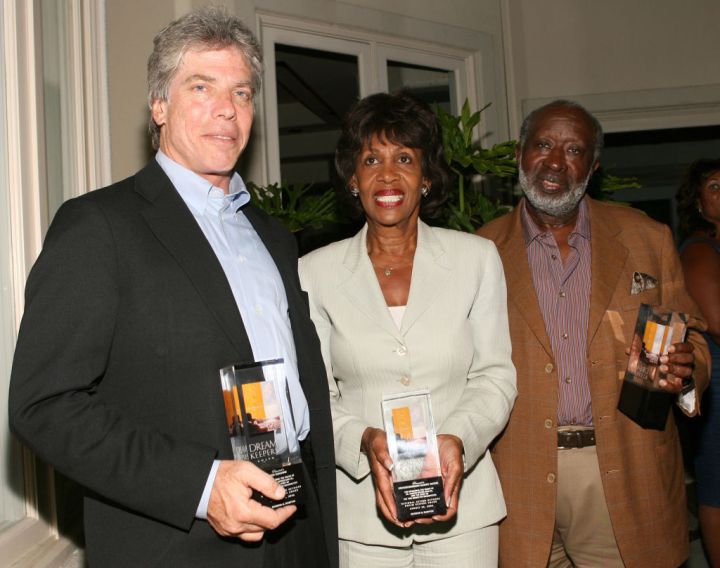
[402, 350]
[549, 368]
[551, 478]
[405, 381]
[548, 423]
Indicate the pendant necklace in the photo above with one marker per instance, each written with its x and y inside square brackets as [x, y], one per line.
[387, 270]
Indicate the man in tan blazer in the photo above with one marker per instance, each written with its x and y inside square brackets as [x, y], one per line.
[585, 485]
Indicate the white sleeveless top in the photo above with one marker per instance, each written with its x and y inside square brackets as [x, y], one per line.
[397, 313]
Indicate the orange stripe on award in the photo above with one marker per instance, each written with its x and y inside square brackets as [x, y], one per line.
[254, 403]
[649, 336]
[232, 405]
[655, 337]
[236, 400]
[402, 423]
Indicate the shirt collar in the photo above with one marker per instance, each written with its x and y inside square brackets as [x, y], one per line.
[531, 231]
[197, 192]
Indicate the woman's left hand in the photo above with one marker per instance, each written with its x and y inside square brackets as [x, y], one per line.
[452, 468]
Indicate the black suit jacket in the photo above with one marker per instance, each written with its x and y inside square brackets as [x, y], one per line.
[128, 318]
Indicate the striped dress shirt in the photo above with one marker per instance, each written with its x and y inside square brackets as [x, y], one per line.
[563, 292]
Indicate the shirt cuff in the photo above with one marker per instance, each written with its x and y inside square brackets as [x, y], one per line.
[687, 401]
[205, 498]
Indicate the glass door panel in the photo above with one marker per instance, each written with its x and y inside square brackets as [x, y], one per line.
[434, 86]
[314, 90]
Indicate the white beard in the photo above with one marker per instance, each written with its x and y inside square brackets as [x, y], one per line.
[553, 205]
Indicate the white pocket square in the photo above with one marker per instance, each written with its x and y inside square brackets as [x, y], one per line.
[641, 282]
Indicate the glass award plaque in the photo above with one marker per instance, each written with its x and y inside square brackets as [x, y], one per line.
[261, 426]
[641, 398]
[412, 443]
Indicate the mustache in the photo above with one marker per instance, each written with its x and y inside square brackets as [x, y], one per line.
[558, 205]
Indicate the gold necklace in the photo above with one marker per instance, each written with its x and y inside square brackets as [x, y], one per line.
[387, 270]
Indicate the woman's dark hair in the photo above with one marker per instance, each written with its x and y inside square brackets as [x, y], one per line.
[401, 119]
[688, 197]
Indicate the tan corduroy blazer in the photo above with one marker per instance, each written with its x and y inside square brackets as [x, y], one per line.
[642, 470]
[454, 340]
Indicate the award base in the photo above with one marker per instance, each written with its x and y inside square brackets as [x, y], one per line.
[648, 408]
[419, 498]
[291, 478]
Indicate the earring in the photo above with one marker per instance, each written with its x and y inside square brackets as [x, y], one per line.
[424, 190]
[354, 191]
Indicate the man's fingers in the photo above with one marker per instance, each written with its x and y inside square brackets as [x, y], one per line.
[263, 482]
[266, 518]
[259, 519]
[684, 347]
[251, 536]
[678, 364]
[231, 509]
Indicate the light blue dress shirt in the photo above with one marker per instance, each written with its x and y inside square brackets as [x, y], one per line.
[254, 279]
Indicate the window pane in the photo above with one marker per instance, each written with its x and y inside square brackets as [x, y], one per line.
[314, 90]
[52, 92]
[54, 47]
[57, 493]
[658, 159]
[12, 503]
[434, 86]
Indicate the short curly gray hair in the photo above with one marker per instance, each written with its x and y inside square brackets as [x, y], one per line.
[208, 28]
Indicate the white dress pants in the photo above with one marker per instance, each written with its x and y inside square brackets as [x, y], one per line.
[474, 549]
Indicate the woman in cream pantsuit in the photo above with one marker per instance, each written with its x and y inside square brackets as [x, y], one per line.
[402, 306]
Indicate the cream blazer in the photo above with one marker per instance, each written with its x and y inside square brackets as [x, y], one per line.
[454, 341]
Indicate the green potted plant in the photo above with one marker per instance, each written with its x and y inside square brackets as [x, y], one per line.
[467, 207]
[296, 205]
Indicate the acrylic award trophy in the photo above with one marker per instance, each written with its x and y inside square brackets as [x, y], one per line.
[641, 398]
[412, 443]
[261, 426]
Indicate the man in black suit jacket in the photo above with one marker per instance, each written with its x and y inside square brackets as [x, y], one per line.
[131, 310]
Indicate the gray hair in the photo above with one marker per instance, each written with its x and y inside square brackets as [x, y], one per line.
[208, 28]
[563, 103]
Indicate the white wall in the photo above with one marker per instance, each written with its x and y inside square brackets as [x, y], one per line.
[641, 64]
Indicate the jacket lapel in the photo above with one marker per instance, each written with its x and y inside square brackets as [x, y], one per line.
[430, 272]
[174, 226]
[518, 276]
[431, 269]
[362, 287]
[609, 256]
